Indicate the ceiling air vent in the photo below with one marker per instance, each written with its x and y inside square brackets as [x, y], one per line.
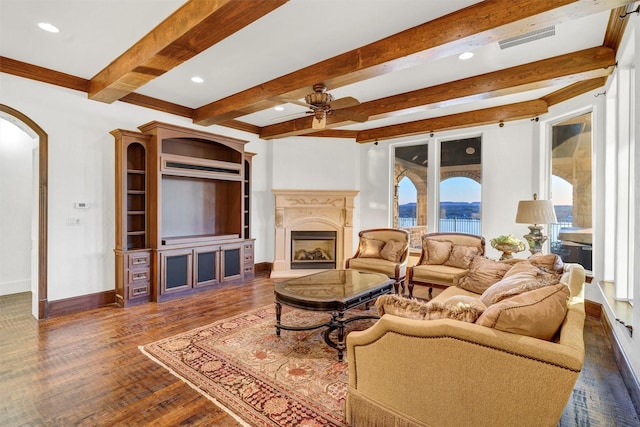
[528, 37]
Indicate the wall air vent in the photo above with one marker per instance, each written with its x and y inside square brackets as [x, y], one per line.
[528, 37]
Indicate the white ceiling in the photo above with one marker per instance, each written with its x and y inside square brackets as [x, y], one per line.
[298, 34]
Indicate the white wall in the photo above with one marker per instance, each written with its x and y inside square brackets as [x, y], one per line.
[16, 204]
[81, 168]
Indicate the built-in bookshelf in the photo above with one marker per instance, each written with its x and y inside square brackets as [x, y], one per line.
[188, 197]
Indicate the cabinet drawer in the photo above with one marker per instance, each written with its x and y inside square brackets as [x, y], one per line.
[138, 290]
[139, 275]
[139, 260]
[248, 258]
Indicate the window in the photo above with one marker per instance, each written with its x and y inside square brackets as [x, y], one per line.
[459, 188]
[410, 191]
[571, 184]
[620, 182]
[460, 177]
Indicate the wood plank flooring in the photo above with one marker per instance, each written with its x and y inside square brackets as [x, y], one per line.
[86, 369]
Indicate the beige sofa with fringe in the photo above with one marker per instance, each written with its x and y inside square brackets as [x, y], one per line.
[407, 372]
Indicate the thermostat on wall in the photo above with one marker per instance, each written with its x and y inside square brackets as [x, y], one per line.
[81, 205]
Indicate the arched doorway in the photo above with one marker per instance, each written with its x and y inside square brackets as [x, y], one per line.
[41, 294]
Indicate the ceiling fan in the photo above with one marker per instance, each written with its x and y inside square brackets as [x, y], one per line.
[321, 103]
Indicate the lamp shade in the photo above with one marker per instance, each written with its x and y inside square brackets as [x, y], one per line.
[536, 212]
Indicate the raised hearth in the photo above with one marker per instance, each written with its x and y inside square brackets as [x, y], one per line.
[311, 212]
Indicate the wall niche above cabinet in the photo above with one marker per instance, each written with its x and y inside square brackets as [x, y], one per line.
[187, 193]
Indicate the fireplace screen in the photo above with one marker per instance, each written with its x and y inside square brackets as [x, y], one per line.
[313, 250]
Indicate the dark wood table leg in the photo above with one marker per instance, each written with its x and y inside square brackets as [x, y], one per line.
[278, 316]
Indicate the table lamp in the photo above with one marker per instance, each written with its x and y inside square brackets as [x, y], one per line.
[535, 212]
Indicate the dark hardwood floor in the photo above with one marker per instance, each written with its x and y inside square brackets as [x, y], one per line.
[86, 369]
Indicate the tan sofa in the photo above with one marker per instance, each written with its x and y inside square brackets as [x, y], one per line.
[382, 250]
[438, 268]
[407, 372]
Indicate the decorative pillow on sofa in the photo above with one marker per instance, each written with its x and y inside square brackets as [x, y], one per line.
[513, 285]
[458, 308]
[436, 251]
[483, 272]
[370, 248]
[461, 256]
[537, 313]
[393, 250]
[551, 262]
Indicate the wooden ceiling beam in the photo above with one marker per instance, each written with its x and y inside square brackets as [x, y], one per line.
[573, 90]
[581, 65]
[41, 74]
[193, 28]
[477, 25]
[505, 113]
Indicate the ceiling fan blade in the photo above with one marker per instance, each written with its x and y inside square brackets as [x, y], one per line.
[291, 116]
[345, 102]
[319, 124]
[354, 116]
[292, 101]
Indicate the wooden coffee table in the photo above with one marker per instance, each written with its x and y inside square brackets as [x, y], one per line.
[333, 291]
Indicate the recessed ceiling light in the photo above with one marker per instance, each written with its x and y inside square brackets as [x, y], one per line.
[197, 79]
[465, 55]
[470, 150]
[49, 27]
[278, 108]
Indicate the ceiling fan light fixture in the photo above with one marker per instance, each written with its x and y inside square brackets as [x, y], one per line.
[319, 97]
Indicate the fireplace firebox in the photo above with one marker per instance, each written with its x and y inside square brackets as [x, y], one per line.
[313, 250]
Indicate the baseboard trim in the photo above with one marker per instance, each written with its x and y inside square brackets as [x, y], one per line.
[81, 303]
[593, 309]
[629, 378]
[262, 267]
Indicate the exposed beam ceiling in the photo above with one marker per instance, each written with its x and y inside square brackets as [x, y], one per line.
[198, 25]
[190, 30]
[479, 24]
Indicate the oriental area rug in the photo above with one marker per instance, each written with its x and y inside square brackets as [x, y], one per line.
[257, 377]
[296, 380]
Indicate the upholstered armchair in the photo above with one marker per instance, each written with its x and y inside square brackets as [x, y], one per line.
[445, 258]
[383, 250]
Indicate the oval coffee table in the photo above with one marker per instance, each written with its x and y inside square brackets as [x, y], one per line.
[334, 291]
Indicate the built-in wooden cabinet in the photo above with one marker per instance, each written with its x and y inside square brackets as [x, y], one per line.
[184, 195]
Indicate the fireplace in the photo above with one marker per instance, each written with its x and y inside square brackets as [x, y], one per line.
[313, 250]
[315, 225]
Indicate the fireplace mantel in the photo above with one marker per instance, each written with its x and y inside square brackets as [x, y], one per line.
[311, 210]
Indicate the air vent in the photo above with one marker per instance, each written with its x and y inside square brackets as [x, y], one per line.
[528, 37]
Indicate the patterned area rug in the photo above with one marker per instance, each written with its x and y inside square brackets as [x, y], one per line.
[259, 378]
[296, 380]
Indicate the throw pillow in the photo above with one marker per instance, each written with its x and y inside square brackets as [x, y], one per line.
[551, 263]
[415, 309]
[522, 267]
[464, 307]
[393, 250]
[436, 251]
[515, 284]
[483, 272]
[370, 248]
[461, 256]
[538, 313]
